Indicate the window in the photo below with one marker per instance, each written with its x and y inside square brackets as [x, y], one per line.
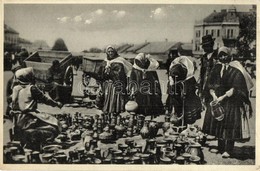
[198, 33]
[228, 33]
[206, 32]
[212, 33]
[231, 33]
[218, 33]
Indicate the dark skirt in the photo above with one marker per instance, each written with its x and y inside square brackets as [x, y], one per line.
[113, 101]
[149, 105]
[230, 127]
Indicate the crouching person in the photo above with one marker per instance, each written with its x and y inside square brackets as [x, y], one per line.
[31, 126]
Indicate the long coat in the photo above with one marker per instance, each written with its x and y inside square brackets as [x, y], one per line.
[235, 106]
[147, 92]
[113, 82]
[206, 67]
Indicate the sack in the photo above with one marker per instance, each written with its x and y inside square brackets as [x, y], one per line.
[217, 111]
[245, 130]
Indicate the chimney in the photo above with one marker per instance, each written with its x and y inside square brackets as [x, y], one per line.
[166, 40]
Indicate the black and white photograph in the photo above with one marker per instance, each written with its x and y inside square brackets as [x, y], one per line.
[136, 84]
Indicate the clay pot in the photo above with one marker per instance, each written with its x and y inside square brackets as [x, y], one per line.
[153, 129]
[51, 148]
[145, 158]
[150, 146]
[145, 130]
[46, 157]
[131, 106]
[36, 157]
[123, 148]
[19, 159]
[195, 150]
[120, 129]
[180, 160]
[61, 158]
[166, 125]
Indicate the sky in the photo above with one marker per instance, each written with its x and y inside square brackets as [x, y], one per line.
[83, 26]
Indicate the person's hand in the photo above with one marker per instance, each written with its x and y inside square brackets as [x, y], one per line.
[230, 92]
[219, 99]
[59, 104]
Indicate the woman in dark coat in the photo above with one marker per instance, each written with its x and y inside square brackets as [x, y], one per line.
[112, 76]
[182, 101]
[228, 87]
[144, 85]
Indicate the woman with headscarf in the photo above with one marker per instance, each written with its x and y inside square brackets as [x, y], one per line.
[32, 126]
[144, 85]
[182, 102]
[113, 80]
[228, 86]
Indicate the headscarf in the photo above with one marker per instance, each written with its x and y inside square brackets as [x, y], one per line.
[114, 49]
[143, 58]
[127, 65]
[237, 65]
[24, 76]
[187, 63]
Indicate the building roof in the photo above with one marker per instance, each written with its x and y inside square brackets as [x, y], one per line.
[136, 47]
[24, 41]
[9, 29]
[157, 47]
[123, 48]
[219, 17]
[186, 46]
[40, 44]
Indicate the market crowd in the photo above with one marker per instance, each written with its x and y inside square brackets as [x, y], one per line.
[222, 90]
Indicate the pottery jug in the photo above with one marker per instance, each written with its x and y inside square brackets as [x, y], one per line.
[195, 150]
[145, 130]
[166, 125]
[153, 129]
[131, 106]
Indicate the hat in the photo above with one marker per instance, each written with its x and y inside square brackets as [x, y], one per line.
[207, 39]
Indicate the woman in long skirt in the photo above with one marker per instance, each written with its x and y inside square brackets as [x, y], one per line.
[228, 87]
[144, 85]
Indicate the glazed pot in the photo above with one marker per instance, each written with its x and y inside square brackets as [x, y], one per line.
[131, 106]
[180, 160]
[46, 157]
[145, 130]
[166, 125]
[150, 146]
[61, 158]
[145, 158]
[153, 129]
[19, 159]
[120, 129]
[123, 148]
[195, 150]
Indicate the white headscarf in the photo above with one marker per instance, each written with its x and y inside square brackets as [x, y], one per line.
[185, 61]
[154, 64]
[127, 65]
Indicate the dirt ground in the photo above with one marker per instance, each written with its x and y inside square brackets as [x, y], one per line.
[244, 153]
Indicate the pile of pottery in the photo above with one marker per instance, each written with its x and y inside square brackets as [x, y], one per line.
[175, 146]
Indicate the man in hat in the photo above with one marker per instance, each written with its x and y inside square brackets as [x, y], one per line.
[208, 61]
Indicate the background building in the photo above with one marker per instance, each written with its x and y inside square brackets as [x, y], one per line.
[223, 26]
[11, 37]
